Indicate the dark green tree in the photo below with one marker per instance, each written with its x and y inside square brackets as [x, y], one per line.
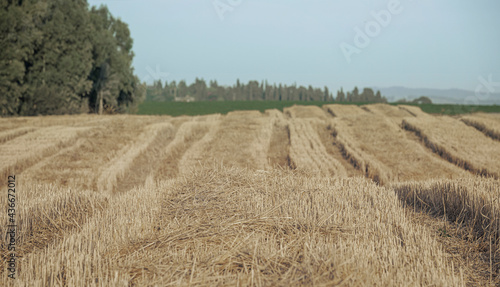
[326, 94]
[355, 95]
[340, 96]
[198, 90]
[57, 57]
[18, 36]
[367, 95]
[349, 97]
[182, 89]
[114, 84]
[422, 100]
[56, 73]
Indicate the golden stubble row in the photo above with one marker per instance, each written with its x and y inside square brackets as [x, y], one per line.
[458, 143]
[308, 152]
[385, 151]
[81, 164]
[125, 157]
[23, 151]
[239, 138]
[489, 124]
[228, 226]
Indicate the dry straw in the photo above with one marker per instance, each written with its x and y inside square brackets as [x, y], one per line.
[457, 143]
[485, 123]
[277, 207]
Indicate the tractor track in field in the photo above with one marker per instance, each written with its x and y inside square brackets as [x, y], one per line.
[279, 147]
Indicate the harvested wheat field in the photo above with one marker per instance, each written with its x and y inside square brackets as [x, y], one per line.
[342, 195]
[457, 142]
[489, 124]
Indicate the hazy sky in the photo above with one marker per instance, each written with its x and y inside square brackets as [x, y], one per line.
[418, 44]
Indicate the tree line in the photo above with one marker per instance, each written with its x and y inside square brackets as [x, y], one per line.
[252, 91]
[366, 96]
[62, 57]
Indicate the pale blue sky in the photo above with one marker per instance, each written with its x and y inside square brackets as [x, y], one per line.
[426, 44]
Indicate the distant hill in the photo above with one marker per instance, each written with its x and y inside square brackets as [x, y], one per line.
[449, 96]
